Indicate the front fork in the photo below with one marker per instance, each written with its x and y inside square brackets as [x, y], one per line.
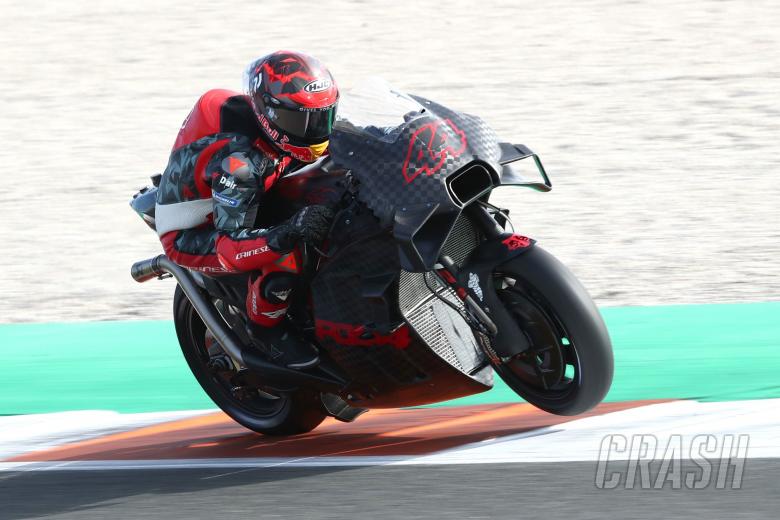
[475, 283]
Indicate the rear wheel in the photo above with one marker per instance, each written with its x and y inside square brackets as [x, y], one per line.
[238, 393]
[569, 367]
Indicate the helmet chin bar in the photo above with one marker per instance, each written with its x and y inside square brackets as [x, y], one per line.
[308, 153]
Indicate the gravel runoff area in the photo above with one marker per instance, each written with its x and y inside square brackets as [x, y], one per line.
[658, 122]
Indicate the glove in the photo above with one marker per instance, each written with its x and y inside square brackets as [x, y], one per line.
[310, 224]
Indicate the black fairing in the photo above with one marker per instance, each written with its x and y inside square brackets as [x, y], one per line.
[405, 211]
[403, 174]
[357, 288]
[319, 183]
[482, 262]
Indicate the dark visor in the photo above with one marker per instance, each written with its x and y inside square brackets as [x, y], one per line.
[305, 124]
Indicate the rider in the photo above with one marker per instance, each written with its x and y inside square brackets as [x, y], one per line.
[230, 150]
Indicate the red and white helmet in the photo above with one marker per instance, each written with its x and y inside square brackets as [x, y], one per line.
[295, 98]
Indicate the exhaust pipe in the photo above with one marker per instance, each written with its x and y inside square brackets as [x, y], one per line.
[155, 267]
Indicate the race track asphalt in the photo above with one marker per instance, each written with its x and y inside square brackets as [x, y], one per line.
[539, 490]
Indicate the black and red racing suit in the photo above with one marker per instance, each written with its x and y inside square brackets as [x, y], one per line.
[209, 196]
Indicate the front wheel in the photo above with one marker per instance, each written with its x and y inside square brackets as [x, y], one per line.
[236, 393]
[568, 368]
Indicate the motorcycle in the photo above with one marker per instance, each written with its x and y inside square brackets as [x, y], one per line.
[421, 293]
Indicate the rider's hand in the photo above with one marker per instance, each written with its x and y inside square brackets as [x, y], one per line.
[310, 225]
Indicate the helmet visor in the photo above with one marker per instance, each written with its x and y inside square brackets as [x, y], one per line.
[304, 124]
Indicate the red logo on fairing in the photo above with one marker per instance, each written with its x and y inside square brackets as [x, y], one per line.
[360, 336]
[437, 141]
[513, 242]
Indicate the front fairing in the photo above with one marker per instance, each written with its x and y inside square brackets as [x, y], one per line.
[402, 149]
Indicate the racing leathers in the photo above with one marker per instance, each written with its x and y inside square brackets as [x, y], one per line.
[209, 196]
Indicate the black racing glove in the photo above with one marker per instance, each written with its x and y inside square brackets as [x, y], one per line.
[310, 225]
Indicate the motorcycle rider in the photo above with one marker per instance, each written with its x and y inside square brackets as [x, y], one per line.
[230, 150]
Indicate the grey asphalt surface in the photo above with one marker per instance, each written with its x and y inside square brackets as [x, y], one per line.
[549, 490]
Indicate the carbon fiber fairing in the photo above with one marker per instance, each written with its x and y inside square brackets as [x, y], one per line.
[418, 164]
[406, 166]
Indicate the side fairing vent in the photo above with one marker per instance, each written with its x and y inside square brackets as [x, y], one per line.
[469, 184]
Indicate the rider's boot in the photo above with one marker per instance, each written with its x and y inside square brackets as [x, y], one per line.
[283, 346]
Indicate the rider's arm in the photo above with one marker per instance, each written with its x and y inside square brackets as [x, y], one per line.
[237, 190]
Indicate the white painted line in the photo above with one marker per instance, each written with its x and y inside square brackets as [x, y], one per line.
[581, 440]
[24, 433]
[227, 463]
[578, 440]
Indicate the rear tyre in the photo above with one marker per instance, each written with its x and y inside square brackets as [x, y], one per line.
[568, 369]
[258, 409]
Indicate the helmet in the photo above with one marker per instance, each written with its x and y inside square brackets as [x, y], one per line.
[294, 98]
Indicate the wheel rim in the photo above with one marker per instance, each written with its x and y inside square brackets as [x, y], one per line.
[248, 399]
[550, 368]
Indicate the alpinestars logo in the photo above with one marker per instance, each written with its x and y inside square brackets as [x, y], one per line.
[474, 285]
[430, 146]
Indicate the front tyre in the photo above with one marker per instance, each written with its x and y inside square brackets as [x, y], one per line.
[235, 393]
[568, 369]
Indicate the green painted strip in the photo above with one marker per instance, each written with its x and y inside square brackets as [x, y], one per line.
[133, 366]
[715, 352]
[707, 352]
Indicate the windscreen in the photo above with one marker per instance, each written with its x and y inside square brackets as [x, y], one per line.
[373, 107]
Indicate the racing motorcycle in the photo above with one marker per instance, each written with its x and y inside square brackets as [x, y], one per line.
[421, 293]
